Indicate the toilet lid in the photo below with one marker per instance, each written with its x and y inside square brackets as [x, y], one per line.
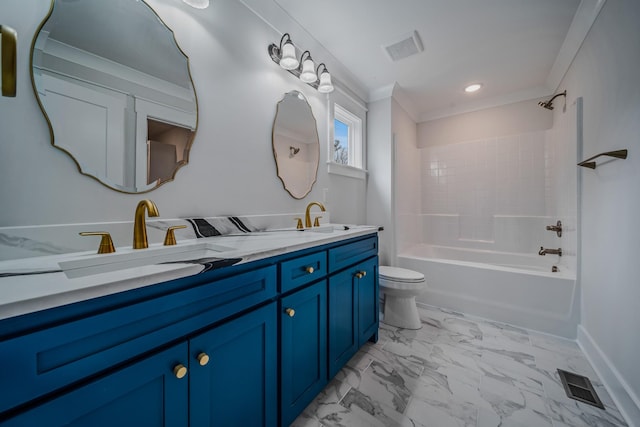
[398, 274]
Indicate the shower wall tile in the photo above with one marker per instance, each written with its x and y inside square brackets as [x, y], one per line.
[478, 180]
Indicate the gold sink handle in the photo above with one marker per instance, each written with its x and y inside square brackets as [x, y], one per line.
[298, 223]
[316, 222]
[170, 238]
[106, 243]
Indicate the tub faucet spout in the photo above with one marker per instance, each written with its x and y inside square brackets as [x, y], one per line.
[544, 251]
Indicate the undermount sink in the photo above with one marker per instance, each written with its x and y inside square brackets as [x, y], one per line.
[88, 265]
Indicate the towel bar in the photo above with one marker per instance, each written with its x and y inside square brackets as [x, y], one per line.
[618, 154]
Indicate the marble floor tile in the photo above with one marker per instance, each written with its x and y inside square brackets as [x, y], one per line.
[435, 412]
[570, 412]
[513, 404]
[458, 370]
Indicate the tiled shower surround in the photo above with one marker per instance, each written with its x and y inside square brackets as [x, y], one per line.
[499, 193]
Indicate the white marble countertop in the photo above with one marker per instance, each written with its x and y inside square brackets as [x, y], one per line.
[33, 284]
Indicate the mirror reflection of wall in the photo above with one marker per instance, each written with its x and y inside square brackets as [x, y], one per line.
[296, 146]
[101, 69]
[167, 149]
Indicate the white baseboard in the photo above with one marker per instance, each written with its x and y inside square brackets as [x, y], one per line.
[624, 397]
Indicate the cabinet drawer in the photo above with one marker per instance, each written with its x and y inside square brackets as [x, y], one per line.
[352, 253]
[49, 359]
[302, 270]
[146, 393]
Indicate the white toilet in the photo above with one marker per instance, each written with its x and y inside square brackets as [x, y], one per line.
[400, 288]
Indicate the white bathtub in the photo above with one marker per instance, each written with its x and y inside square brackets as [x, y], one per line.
[518, 289]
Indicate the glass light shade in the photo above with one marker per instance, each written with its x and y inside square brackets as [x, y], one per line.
[198, 4]
[308, 74]
[288, 61]
[325, 85]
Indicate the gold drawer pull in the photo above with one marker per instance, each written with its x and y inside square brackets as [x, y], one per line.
[309, 269]
[290, 312]
[180, 371]
[203, 359]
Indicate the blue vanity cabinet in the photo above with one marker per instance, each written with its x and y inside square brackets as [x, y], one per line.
[353, 300]
[303, 348]
[225, 376]
[233, 374]
[368, 303]
[146, 393]
[249, 345]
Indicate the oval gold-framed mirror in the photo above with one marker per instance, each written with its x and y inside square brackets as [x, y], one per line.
[296, 146]
[116, 91]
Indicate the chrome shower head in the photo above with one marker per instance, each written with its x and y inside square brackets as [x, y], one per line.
[549, 104]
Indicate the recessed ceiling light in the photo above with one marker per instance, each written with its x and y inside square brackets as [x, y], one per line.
[473, 88]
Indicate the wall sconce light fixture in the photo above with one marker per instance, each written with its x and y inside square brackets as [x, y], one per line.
[198, 4]
[305, 69]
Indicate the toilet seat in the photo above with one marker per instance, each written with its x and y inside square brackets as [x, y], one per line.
[400, 275]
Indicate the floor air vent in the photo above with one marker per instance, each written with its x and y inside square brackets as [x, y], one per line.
[579, 388]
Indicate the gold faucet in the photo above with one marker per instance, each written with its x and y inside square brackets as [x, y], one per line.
[307, 217]
[140, 225]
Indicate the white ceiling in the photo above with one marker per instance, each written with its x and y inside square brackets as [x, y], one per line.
[510, 46]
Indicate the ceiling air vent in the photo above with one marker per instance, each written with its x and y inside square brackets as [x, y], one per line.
[405, 46]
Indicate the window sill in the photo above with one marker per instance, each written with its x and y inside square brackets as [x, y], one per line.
[344, 170]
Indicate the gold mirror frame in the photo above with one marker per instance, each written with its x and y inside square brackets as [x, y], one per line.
[78, 164]
[286, 154]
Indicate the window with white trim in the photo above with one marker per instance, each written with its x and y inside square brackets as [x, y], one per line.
[346, 148]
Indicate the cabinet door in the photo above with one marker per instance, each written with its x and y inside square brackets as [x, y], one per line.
[368, 311]
[237, 385]
[303, 348]
[147, 393]
[343, 319]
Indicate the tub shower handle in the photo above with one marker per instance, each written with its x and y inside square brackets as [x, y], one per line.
[557, 228]
[544, 251]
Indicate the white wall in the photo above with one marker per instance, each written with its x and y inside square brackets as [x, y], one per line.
[407, 178]
[512, 119]
[605, 74]
[231, 168]
[380, 208]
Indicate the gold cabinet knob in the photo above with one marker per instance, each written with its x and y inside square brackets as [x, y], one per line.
[290, 312]
[106, 244]
[180, 370]
[203, 359]
[170, 237]
[361, 274]
[309, 269]
[364, 273]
